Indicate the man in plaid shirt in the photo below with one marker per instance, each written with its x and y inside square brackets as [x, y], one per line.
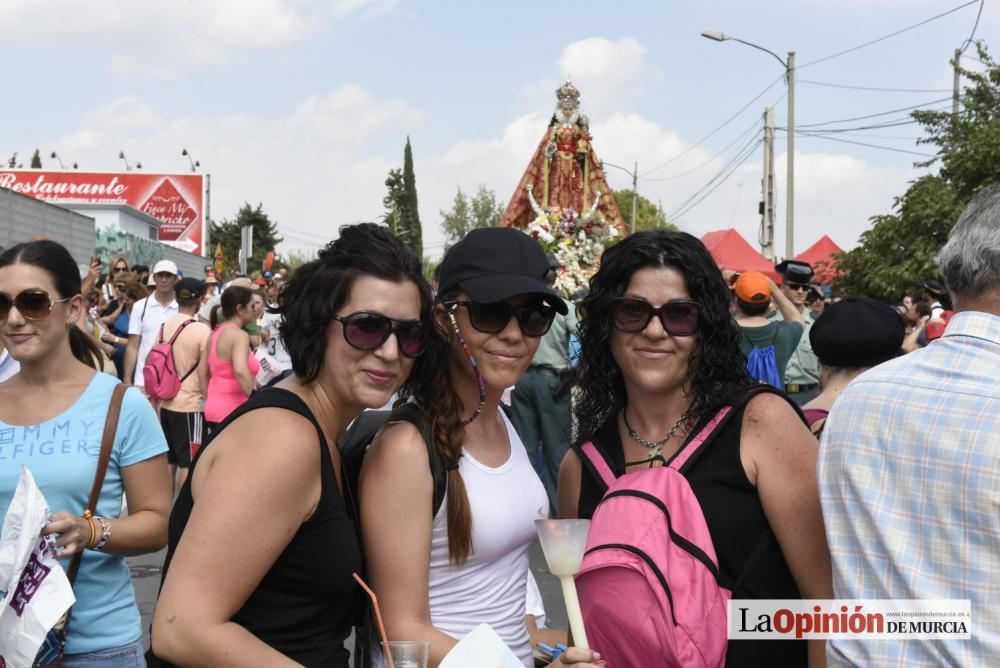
[909, 467]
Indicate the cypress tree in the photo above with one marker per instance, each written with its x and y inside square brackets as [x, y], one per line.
[409, 216]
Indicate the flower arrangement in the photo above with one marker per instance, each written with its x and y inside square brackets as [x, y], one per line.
[576, 240]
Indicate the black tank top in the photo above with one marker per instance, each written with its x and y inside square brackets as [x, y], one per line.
[304, 605]
[736, 520]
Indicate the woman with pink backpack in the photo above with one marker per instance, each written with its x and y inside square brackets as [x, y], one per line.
[700, 485]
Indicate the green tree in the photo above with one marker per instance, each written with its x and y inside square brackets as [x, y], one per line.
[898, 252]
[648, 216]
[265, 237]
[393, 203]
[409, 215]
[12, 160]
[481, 210]
[36, 160]
[294, 259]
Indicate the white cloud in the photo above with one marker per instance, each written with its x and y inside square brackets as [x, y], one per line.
[606, 71]
[156, 38]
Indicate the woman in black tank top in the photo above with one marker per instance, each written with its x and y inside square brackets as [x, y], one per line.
[660, 358]
[262, 540]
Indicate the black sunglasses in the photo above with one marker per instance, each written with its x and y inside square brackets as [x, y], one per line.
[31, 304]
[679, 318]
[366, 330]
[797, 287]
[533, 319]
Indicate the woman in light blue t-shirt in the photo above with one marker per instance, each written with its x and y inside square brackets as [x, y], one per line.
[51, 420]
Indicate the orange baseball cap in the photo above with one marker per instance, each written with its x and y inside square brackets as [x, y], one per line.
[753, 287]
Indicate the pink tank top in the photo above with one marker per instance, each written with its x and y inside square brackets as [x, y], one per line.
[224, 392]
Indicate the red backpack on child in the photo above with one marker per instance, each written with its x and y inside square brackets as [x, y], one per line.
[649, 583]
[159, 374]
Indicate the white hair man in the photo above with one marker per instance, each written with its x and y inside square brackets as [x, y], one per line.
[909, 467]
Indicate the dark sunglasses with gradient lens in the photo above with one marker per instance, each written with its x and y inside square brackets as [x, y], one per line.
[533, 319]
[679, 318]
[797, 287]
[31, 304]
[366, 330]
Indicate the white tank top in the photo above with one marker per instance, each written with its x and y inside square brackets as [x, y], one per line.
[490, 586]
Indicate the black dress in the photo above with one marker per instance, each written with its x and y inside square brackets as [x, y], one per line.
[735, 519]
[304, 606]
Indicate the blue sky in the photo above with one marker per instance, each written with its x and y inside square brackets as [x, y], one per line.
[305, 105]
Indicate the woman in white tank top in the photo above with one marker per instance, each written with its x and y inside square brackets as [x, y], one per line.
[438, 577]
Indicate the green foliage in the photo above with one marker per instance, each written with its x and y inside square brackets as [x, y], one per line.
[292, 260]
[36, 160]
[393, 202]
[12, 160]
[409, 216]
[430, 267]
[481, 210]
[648, 216]
[898, 252]
[265, 238]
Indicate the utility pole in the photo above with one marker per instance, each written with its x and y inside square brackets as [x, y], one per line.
[635, 192]
[790, 189]
[956, 81]
[767, 187]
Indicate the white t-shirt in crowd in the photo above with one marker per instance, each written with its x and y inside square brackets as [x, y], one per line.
[275, 344]
[145, 320]
[491, 585]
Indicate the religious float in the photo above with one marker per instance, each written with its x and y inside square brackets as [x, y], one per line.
[563, 199]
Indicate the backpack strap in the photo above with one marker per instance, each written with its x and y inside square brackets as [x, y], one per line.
[174, 338]
[598, 463]
[692, 447]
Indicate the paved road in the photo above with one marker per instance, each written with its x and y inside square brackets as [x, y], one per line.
[147, 568]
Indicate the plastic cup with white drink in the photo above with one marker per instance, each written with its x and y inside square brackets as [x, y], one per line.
[563, 542]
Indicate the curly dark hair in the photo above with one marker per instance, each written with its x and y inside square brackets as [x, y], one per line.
[318, 289]
[716, 372]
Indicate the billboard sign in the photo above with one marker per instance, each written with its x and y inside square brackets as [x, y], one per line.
[177, 200]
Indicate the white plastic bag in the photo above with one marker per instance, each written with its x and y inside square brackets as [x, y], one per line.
[36, 591]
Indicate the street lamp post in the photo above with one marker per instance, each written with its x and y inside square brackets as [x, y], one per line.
[55, 156]
[191, 161]
[635, 189]
[789, 66]
[128, 167]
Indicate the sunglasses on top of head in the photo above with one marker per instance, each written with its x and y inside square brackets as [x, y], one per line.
[31, 304]
[366, 330]
[533, 319]
[679, 318]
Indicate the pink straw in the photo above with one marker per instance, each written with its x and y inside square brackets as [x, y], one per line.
[378, 618]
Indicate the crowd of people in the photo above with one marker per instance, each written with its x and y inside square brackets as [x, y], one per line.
[835, 448]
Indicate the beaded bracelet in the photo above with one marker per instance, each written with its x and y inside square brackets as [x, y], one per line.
[105, 533]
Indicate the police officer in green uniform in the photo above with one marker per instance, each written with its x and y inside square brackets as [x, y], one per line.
[802, 372]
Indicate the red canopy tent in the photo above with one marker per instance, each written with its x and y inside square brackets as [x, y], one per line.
[820, 256]
[731, 251]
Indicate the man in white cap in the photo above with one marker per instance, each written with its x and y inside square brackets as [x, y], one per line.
[147, 316]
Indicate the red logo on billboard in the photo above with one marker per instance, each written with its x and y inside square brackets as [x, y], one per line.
[178, 216]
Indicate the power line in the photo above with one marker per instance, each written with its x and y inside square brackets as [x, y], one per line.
[858, 143]
[967, 42]
[876, 115]
[755, 125]
[680, 214]
[875, 88]
[713, 132]
[885, 37]
[727, 170]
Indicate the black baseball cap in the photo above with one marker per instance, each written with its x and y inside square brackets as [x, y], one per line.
[492, 264]
[189, 288]
[794, 271]
[934, 287]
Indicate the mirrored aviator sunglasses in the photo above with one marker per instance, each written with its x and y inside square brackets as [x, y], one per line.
[533, 319]
[366, 330]
[31, 304]
[679, 318]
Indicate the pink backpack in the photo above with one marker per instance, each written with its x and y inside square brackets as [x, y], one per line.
[649, 583]
[159, 374]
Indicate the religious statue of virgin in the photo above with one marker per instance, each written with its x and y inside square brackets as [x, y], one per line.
[564, 173]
